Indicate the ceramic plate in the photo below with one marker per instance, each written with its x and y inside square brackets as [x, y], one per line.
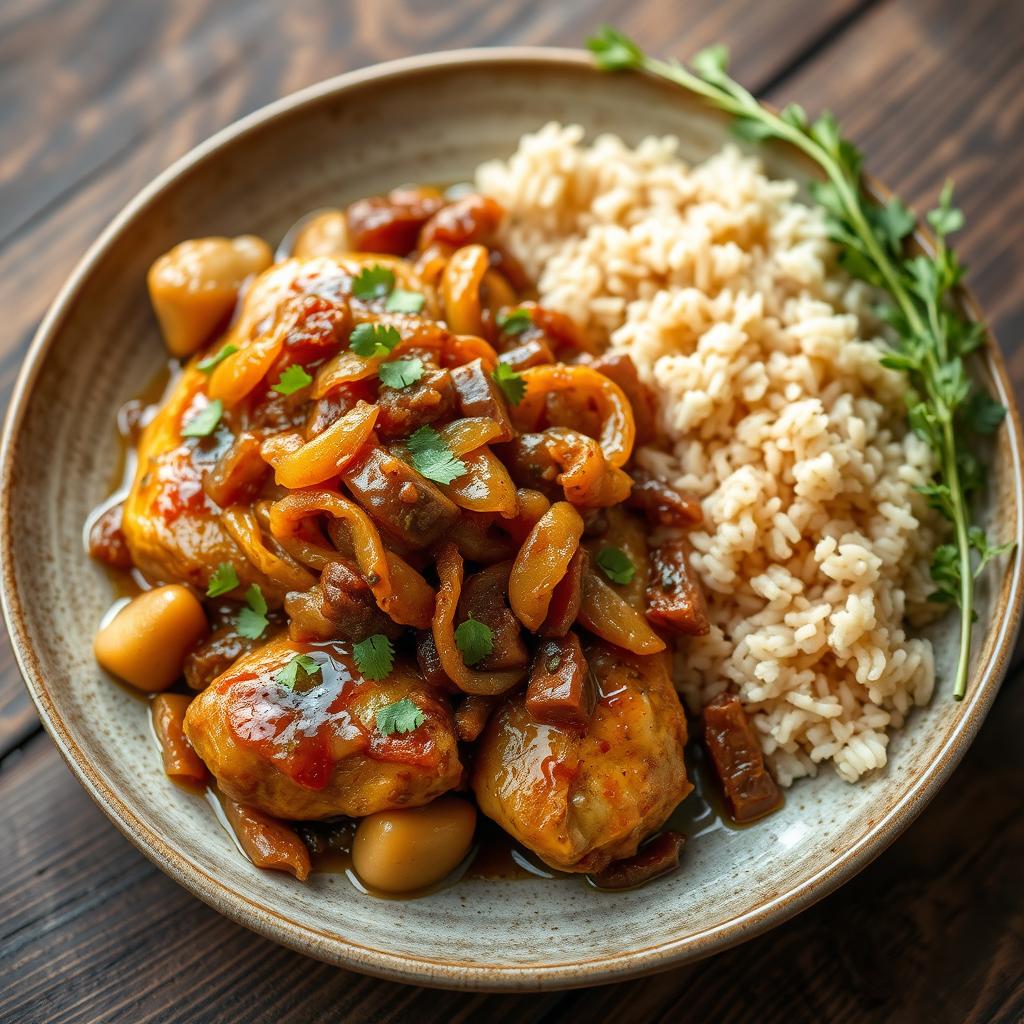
[430, 119]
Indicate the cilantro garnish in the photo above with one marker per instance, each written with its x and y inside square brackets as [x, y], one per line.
[424, 439]
[401, 373]
[616, 565]
[515, 322]
[373, 283]
[432, 458]
[294, 378]
[402, 716]
[252, 621]
[401, 301]
[300, 668]
[204, 422]
[475, 640]
[210, 363]
[373, 339]
[223, 580]
[374, 656]
[512, 385]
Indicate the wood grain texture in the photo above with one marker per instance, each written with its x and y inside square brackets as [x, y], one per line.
[86, 126]
[96, 97]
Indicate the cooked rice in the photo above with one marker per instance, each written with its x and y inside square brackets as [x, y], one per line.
[724, 290]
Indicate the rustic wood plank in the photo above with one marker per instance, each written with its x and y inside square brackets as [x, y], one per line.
[89, 125]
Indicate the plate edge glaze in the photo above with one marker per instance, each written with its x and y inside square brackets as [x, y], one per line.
[464, 974]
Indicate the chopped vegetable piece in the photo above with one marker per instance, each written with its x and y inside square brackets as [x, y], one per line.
[474, 641]
[301, 667]
[401, 301]
[252, 621]
[295, 378]
[675, 598]
[223, 580]
[204, 422]
[515, 322]
[616, 565]
[512, 385]
[210, 363]
[401, 373]
[402, 716]
[375, 657]
[373, 339]
[373, 283]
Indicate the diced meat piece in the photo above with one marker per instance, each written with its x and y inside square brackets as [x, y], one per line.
[319, 324]
[565, 600]
[658, 857]
[430, 399]
[392, 223]
[399, 499]
[530, 463]
[239, 472]
[485, 598]
[216, 654]
[339, 607]
[473, 218]
[661, 503]
[675, 599]
[328, 410]
[479, 395]
[429, 662]
[749, 789]
[106, 539]
[618, 367]
[561, 691]
[536, 352]
[471, 716]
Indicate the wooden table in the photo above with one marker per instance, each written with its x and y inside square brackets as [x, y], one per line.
[97, 96]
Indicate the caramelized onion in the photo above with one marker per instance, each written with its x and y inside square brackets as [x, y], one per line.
[410, 603]
[607, 615]
[329, 452]
[460, 288]
[618, 430]
[542, 562]
[485, 487]
[486, 684]
[240, 521]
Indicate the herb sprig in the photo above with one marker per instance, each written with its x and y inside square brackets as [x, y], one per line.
[944, 407]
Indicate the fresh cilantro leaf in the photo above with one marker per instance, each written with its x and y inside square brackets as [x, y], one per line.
[616, 565]
[374, 656]
[403, 716]
[300, 668]
[988, 552]
[401, 301]
[424, 439]
[210, 363]
[204, 422]
[712, 62]
[369, 339]
[983, 413]
[750, 129]
[512, 385]
[440, 466]
[946, 218]
[613, 51]
[252, 621]
[294, 378]
[223, 580]
[401, 373]
[795, 115]
[515, 322]
[373, 283]
[475, 640]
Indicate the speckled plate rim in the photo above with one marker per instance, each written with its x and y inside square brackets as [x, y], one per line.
[465, 974]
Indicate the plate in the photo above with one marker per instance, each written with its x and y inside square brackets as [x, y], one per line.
[428, 119]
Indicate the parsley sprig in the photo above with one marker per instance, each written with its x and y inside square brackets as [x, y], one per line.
[403, 716]
[944, 407]
[375, 656]
[252, 620]
[432, 458]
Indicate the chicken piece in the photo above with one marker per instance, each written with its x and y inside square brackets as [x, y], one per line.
[581, 800]
[315, 750]
[170, 524]
[403, 411]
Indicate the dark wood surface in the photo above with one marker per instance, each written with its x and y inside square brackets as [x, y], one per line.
[96, 96]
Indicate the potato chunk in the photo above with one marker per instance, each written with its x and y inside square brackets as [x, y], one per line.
[194, 286]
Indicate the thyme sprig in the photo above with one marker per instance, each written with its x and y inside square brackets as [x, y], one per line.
[944, 407]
